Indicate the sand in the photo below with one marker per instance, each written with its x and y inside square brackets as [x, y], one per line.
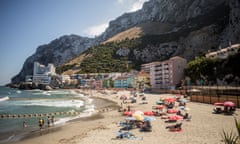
[204, 127]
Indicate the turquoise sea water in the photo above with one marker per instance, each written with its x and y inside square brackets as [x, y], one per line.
[39, 102]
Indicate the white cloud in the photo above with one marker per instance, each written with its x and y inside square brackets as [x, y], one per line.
[137, 5]
[96, 30]
[133, 5]
[120, 1]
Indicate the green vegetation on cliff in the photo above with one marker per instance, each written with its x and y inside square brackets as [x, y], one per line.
[103, 58]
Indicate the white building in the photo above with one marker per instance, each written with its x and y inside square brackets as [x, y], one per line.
[43, 74]
[225, 52]
[65, 78]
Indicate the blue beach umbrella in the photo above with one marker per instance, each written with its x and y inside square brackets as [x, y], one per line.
[147, 118]
[182, 100]
[181, 107]
[130, 118]
[159, 102]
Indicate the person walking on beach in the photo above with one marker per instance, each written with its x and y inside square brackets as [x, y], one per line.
[41, 122]
[48, 121]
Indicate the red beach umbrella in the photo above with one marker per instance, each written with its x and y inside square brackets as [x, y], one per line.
[159, 106]
[170, 99]
[127, 113]
[178, 95]
[148, 113]
[218, 104]
[171, 111]
[175, 117]
[229, 104]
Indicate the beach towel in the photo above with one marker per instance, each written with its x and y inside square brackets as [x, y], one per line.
[128, 135]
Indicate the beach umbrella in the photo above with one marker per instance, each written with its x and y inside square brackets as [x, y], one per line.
[159, 102]
[159, 106]
[129, 118]
[123, 97]
[138, 112]
[186, 108]
[171, 111]
[178, 95]
[175, 118]
[170, 99]
[147, 118]
[182, 100]
[181, 107]
[127, 113]
[138, 117]
[229, 104]
[148, 113]
[218, 104]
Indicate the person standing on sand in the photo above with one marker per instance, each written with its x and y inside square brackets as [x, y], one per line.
[48, 121]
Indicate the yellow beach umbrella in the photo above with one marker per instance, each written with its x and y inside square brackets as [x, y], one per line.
[187, 109]
[138, 117]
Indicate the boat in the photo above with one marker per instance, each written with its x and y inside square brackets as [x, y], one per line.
[4, 98]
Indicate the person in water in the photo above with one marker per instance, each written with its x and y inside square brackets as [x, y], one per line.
[24, 124]
[41, 122]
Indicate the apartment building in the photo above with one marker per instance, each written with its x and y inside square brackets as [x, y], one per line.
[42, 74]
[166, 74]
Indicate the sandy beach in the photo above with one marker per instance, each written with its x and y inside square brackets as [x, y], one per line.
[204, 127]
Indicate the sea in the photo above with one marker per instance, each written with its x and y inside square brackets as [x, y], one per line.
[28, 106]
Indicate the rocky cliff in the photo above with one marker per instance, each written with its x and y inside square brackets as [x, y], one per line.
[57, 52]
[186, 28]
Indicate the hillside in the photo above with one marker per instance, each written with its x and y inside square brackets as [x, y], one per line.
[148, 28]
[161, 29]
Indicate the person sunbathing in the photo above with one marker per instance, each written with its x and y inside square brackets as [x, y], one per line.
[187, 117]
[175, 127]
[121, 134]
[147, 127]
[128, 125]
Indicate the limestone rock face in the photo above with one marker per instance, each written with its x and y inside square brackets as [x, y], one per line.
[164, 11]
[186, 28]
[57, 52]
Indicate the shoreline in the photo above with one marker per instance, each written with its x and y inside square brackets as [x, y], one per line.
[204, 126]
[100, 104]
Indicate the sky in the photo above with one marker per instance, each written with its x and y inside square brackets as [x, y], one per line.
[27, 24]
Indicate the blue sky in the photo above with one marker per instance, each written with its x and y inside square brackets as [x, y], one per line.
[26, 24]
